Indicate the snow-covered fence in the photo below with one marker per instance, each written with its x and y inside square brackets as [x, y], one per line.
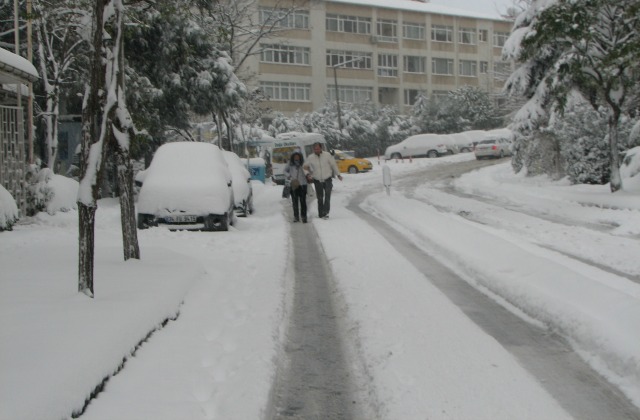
[12, 153]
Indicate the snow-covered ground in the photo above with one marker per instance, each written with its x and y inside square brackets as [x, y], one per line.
[222, 299]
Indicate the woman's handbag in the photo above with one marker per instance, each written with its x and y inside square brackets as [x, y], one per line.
[295, 184]
[286, 191]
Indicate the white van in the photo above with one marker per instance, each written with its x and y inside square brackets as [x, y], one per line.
[287, 143]
[421, 145]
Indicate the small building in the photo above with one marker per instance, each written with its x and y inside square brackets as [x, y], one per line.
[15, 73]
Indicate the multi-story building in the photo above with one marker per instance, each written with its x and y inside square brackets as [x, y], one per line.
[382, 51]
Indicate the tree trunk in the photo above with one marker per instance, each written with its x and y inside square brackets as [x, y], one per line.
[90, 172]
[124, 165]
[86, 223]
[127, 208]
[615, 180]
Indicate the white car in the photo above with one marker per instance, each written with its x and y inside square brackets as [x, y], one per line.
[422, 145]
[242, 189]
[188, 186]
[493, 147]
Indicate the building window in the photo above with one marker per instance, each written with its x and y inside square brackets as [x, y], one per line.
[411, 96]
[351, 59]
[387, 30]
[413, 31]
[351, 24]
[414, 64]
[467, 36]
[284, 18]
[484, 67]
[500, 38]
[285, 54]
[285, 91]
[468, 68]
[501, 70]
[442, 66]
[439, 95]
[387, 65]
[442, 33]
[483, 35]
[350, 94]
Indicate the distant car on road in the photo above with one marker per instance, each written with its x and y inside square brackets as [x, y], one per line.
[348, 163]
[422, 145]
[242, 189]
[493, 147]
[188, 186]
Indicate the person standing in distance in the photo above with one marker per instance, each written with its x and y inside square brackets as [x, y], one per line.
[322, 169]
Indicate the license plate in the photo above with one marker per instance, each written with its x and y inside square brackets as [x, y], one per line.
[181, 219]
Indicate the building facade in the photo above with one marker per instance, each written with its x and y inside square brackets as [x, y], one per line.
[382, 52]
[15, 73]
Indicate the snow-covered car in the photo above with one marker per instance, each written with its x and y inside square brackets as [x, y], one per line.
[188, 186]
[429, 145]
[462, 141]
[493, 147]
[242, 189]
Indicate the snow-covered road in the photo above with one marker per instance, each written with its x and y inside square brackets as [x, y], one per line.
[423, 351]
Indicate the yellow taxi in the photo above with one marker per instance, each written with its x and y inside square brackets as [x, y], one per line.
[347, 163]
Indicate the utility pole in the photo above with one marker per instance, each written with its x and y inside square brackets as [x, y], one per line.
[335, 81]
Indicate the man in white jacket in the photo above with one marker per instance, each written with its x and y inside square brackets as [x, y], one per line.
[322, 168]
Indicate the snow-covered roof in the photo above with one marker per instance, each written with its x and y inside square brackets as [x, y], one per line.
[418, 6]
[15, 69]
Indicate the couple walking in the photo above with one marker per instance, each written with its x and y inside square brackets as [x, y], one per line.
[320, 168]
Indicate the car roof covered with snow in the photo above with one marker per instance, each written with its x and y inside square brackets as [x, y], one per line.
[192, 177]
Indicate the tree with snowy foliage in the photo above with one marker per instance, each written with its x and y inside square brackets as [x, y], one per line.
[588, 46]
[162, 97]
[466, 108]
[580, 130]
[60, 53]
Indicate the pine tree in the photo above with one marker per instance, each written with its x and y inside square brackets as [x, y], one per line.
[588, 46]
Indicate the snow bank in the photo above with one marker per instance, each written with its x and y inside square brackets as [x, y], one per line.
[8, 209]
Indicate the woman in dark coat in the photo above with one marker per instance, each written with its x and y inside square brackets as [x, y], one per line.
[298, 182]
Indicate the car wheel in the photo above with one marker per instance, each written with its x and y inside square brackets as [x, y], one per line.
[465, 150]
[353, 170]
[244, 210]
[146, 221]
[214, 223]
[396, 156]
[432, 154]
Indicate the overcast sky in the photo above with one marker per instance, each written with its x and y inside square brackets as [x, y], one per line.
[483, 6]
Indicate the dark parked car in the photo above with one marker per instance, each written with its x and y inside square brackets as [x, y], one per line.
[242, 189]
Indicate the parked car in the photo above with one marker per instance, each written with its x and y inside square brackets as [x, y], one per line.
[421, 145]
[242, 189]
[348, 163]
[188, 186]
[493, 147]
[476, 136]
[462, 141]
